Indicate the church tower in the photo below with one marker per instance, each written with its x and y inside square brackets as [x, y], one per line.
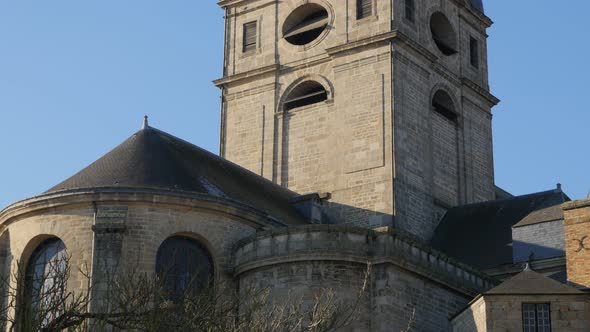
[383, 104]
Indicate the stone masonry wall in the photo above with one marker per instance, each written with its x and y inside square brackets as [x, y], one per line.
[407, 282]
[577, 242]
[379, 95]
[472, 319]
[568, 313]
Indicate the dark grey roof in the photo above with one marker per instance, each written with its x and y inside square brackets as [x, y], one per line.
[477, 5]
[552, 213]
[153, 159]
[481, 234]
[533, 283]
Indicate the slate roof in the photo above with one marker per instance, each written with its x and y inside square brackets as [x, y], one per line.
[552, 213]
[481, 234]
[153, 159]
[532, 283]
[477, 5]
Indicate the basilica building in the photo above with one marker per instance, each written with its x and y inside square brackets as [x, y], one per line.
[353, 132]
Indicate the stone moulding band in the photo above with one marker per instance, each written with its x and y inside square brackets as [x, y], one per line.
[357, 245]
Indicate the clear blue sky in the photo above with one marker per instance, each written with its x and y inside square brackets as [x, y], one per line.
[76, 77]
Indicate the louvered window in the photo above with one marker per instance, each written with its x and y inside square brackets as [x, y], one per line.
[306, 93]
[250, 36]
[410, 10]
[443, 105]
[536, 317]
[364, 8]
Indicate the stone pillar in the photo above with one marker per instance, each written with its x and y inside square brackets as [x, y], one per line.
[109, 228]
[577, 242]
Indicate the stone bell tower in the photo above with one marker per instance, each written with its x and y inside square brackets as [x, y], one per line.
[383, 104]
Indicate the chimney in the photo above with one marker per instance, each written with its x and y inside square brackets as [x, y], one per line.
[576, 216]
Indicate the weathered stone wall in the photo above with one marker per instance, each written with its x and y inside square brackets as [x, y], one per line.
[380, 73]
[71, 225]
[496, 313]
[577, 242]
[544, 240]
[120, 232]
[568, 313]
[408, 282]
[472, 319]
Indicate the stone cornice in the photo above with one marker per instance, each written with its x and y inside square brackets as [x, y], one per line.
[474, 14]
[480, 91]
[576, 204]
[537, 265]
[384, 37]
[246, 75]
[393, 37]
[357, 245]
[133, 196]
[229, 3]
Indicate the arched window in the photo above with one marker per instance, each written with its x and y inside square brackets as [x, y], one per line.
[443, 105]
[45, 281]
[306, 93]
[184, 266]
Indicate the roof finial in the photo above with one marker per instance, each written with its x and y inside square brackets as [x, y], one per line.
[145, 122]
[559, 187]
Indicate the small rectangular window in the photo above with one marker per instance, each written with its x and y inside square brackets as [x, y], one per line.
[250, 36]
[410, 10]
[536, 317]
[474, 52]
[364, 8]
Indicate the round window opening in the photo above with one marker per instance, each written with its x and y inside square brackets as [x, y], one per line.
[443, 34]
[305, 24]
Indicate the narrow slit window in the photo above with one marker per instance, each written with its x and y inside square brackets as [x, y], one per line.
[250, 36]
[306, 93]
[364, 8]
[474, 52]
[410, 10]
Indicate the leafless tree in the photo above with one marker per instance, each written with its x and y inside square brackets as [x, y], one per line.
[139, 302]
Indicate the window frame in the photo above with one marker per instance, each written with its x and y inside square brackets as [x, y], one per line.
[360, 14]
[50, 253]
[249, 47]
[536, 307]
[410, 11]
[186, 276]
[474, 52]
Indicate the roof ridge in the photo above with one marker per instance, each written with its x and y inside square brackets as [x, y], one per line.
[552, 191]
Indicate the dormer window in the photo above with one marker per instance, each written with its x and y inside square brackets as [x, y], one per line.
[305, 24]
[306, 93]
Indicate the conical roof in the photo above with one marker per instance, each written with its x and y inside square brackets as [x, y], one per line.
[153, 159]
